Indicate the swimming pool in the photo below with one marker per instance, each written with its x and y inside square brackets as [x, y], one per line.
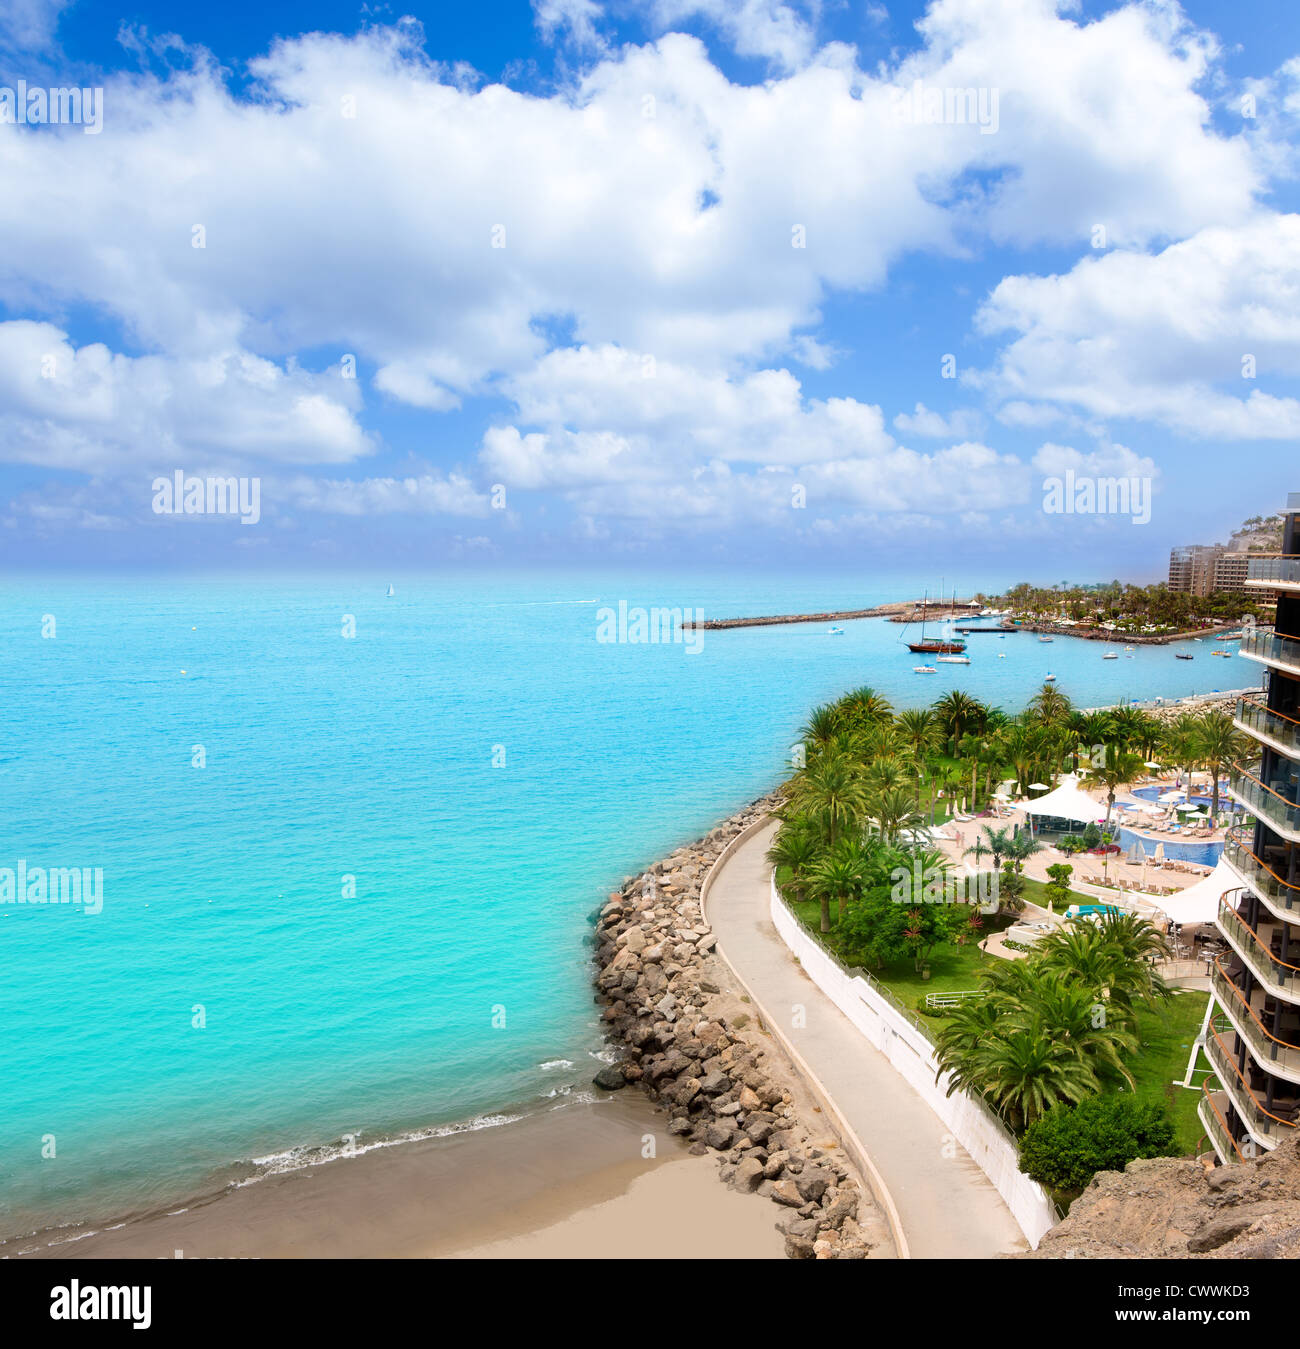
[1154, 794]
[1207, 854]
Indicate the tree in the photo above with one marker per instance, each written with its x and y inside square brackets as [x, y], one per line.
[796, 847]
[1058, 887]
[1120, 767]
[1068, 1145]
[837, 874]
[1218, 744]
[958, 713]
[830, 790]
[994, 844]
[1049, 705]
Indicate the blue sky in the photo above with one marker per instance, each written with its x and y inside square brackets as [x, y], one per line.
[669, 283]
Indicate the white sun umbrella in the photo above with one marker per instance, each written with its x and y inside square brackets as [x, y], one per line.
[1171, 796]
[1038, 786]
[1151, 763]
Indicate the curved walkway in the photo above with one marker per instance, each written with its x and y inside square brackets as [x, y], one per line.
[947, 1206]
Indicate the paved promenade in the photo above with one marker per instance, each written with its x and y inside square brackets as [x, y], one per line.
[947, 1206]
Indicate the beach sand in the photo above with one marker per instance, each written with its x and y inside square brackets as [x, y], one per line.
[569, 1182]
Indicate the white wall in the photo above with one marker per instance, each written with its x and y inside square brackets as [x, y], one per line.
[906, 1047]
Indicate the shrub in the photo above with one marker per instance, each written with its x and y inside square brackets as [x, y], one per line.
[1068, 1145]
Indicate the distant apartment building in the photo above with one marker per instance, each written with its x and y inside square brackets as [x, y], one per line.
[1202, 569]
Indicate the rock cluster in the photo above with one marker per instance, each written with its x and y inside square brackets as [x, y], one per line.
[1176, 1208]
[688, 1042]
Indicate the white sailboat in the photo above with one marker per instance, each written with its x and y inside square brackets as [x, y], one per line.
[391, 592]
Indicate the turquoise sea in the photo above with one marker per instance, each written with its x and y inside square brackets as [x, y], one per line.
[482, 766]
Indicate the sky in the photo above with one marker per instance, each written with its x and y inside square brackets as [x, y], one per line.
[757, 285]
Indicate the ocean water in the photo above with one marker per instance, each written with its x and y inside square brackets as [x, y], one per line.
[474, 757]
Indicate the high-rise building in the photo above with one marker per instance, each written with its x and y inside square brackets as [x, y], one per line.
[1203, 569]
[1253, 1036]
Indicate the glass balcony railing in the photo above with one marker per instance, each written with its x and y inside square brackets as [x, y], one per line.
[1279, 1057]
[1274, 648]
[1256, 719]
[1266, 801]
[1210, 1109]
[1271, 970]
[1281, 896]
[1273, 571]
[1255, 1115]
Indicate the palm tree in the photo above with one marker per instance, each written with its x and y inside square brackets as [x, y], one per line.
[797, 847]
[919, 731]
[958, 713]
[1181, 745]
[1118, 769]
[1219, 744]
[831, 791]
[996, 843]
[865, 707]
[837, 874]
[1020, 848]
[823, 726]
[894, 809]
[1049, 705]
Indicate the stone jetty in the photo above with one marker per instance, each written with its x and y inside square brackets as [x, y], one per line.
[689, 1038]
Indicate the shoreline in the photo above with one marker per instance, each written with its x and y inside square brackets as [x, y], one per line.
[554, 1183]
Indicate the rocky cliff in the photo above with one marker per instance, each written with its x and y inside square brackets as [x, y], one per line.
[1177, 1209]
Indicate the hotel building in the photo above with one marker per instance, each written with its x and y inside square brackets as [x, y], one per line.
[1252, 1100]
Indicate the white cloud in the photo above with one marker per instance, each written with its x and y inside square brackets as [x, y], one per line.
[92, 409]
[1162, 337]
[960, 424]
[29, 25]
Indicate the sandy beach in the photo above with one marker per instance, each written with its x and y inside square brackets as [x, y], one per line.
[570, 1182]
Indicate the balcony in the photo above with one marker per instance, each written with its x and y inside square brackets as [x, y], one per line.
[1276, 650]
[1280, 897]
[1265, 1127]
[1256, 948]
[1265, 802]
[1274, 729]
[1212, 1110]
[1274, 573]
[1273, 1055]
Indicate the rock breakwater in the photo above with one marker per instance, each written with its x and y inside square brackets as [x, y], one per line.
[692, 1041]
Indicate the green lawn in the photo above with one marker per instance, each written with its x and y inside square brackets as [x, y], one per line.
[1167, 1035]
[952, 967]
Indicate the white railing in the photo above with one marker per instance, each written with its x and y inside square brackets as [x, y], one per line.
[953, 998]
[900, 1036]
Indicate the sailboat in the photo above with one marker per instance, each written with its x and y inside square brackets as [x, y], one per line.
[952, 646]
[391, 592]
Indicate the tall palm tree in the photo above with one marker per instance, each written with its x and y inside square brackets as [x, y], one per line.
[1218, 745]
[865, 707]
[823, 725]
[1119, 768]
[1049, 705]
[919, 730]
[831, 791]
[894, 809]
[958, 713]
